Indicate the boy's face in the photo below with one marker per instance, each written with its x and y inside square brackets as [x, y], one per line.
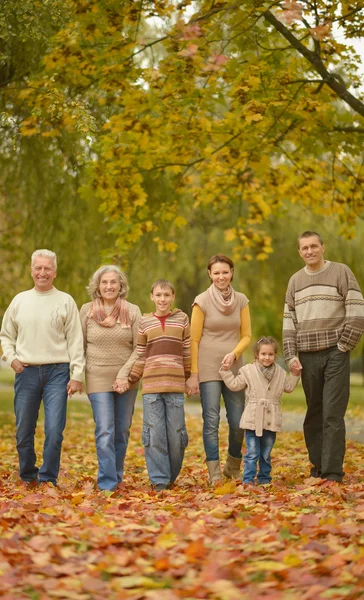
[162, 298]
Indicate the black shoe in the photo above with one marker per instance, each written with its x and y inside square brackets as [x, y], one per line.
[315, 472]
[160, 487]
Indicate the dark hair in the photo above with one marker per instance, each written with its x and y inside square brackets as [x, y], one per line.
[269, 340]
[220, 258]
[163, 283]
[307, 234]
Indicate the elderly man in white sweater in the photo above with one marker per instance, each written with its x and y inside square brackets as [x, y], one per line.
[41, 339]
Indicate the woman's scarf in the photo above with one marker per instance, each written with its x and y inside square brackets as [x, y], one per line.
[225, 301]
[268, 372]
[119, 313]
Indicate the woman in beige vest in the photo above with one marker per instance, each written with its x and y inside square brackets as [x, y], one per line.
[220, 332]
[110, 329]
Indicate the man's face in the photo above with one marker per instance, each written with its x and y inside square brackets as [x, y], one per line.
[43, 273]
[312, 252]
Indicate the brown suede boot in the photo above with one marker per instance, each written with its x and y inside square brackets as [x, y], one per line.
[214, 471]
[232, 467]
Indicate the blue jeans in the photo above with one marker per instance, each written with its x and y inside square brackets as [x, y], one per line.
[32, 385]
[210, 392]
[164, 436]
[258, 449]
[113, 414]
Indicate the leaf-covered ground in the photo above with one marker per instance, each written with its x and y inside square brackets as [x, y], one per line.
[299, 538]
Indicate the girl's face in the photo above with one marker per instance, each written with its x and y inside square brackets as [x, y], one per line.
[266, 355]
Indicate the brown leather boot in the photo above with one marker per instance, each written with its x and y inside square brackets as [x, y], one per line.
[232, 467]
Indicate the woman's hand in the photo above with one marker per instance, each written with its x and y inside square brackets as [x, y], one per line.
[228, 361]
[121, 385]
[192, 385]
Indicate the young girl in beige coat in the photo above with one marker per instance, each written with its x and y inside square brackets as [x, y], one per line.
[265, 382]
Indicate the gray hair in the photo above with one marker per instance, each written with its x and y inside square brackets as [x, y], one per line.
[93, 287]
[47, 254]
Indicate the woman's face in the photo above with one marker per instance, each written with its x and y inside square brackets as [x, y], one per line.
[109, 287]
[221, 275]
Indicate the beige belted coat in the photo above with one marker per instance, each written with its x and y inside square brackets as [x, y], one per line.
[262, 407]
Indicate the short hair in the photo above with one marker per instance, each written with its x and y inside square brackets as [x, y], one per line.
[163, 283]
[46, 253]
[307, 234]
[220, 258]
[268, 340]
[93, 287]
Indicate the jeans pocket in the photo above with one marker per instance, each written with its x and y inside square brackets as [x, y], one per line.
[184, 437]
[150, 398]
[178, 400]
[61, 366]
[146, 435]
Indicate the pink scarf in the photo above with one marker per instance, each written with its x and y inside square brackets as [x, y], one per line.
[119, 313]
[226, 301]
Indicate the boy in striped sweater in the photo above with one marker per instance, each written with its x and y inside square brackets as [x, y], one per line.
[164, 363]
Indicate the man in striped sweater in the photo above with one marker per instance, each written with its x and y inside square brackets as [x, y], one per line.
[164, 363]
[323, 320]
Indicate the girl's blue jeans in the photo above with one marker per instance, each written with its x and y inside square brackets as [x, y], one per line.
[258, 450]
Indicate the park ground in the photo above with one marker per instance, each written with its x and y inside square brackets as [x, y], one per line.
[298, 538]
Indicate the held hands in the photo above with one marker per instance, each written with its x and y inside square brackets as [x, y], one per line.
[18, 366]
[192, 386]
[120, 386]
[296, 367]
[73, 387]
[228, 361]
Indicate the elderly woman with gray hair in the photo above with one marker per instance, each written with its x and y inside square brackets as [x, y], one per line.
[110, 329]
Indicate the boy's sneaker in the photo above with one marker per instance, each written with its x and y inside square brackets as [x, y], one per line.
[160, 487]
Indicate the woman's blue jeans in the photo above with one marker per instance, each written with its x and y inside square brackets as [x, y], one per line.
[113, 415]
[164, 436]
[210, 392]
[258, 450]
[32, 385]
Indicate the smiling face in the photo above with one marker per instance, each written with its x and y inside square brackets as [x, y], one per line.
[221, 275]
[109, 287]
[43, 273]
[162, 298]
[312, 252]
[266, 355]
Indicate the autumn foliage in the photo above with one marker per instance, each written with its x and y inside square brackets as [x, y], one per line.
[175, 112]
[299, 538]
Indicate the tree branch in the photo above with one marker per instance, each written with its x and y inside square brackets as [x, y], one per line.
[331, 81]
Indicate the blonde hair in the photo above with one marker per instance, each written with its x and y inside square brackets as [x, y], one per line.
[93, 287]
[47, 254]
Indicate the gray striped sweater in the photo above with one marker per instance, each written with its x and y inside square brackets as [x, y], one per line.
[322, 309]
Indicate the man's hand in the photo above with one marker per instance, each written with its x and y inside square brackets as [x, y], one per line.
[18, 366]
[192, 386]
[73, 387]
[121, 385]
[295, 367]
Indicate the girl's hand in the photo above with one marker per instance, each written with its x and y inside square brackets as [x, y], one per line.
[121, 385]
[296, 367]
[192, 385]
[228, 361]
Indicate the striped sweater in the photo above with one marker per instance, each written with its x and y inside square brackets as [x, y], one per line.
[163, 353]
[323, 309]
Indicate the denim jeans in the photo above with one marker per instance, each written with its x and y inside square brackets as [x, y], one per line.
[34, 383]
[326, 383]
[164, 436]
[258, 449]
[210, 392]
[113, 414]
